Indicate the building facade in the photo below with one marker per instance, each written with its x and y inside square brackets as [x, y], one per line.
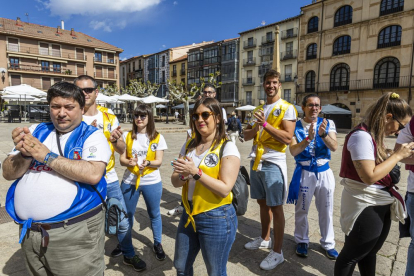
[178, 70]
[41, 56]
[132, 68]
[229, 96]
[256, 58]
[351, 52]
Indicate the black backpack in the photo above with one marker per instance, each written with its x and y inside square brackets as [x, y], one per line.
[234, 126]
[240, 190]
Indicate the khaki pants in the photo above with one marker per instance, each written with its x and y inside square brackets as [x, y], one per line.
[77, 249]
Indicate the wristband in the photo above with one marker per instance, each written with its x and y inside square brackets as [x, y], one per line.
[307, 139]
[148, 164]
[264, 124]
[324, 135]
[182, 177]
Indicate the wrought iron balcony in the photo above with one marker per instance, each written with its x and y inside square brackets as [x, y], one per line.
[288, 55]
[248, 81]
[250, 44]
[36, 50]
[268, 39]
[249, 61]
[289, 33]
[182, 72]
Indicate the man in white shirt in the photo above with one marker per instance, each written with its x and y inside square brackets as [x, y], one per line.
[209, 91]
[272, 131]
[311, 146]
[59, 167]
[108, 124]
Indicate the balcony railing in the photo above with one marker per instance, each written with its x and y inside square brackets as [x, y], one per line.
[41, 69]
[287, 78]
[36, 50]
[250, 44]
[249, 61]
[174, 73]
[263, 69]
[288, 55]
[268, 39]
[196, 63]
[289, 33]
[105, 75]
[266, 58]
[248, 81]
[102, 60]
[182, 72]
[229, 96]
[392, 10]
[211, 60]
[365, 84]
[230, 56]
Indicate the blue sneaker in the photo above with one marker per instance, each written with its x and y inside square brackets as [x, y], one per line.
[331, 254]
[302, 249]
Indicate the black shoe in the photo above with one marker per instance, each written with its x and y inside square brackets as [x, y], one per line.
[135, 262]
[159, 252]
[117, 251]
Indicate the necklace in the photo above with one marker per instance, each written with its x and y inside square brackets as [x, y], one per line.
[202, 147]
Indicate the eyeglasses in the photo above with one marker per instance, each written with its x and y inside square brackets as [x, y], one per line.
[401, 126]
[203, 115]
[208, 93]
[142, 117]
[88, 90]
[313, 105]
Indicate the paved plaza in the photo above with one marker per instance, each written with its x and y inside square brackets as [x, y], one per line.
[391, 259]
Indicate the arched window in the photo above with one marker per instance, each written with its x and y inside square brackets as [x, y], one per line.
[390, 36]
[340, 77]
[387, 73]
[310, 81]
[313, 24]
[311, 51]
[342, 45]
[343, 16]
[391, 6]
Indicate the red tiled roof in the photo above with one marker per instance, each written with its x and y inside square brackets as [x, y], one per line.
[184, 57]
[24, 29]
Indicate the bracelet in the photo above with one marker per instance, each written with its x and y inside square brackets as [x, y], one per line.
[264, 124]
[148, 164]
[26, 157]
[324, 135]
[307, 139]
[182, 177]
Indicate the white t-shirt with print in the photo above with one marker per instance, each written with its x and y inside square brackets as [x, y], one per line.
[306, 126]
[361, 147]
[111, 175]
[229, 150]
[270, 155]
[43, 193]
[140, 148]
[405, 136]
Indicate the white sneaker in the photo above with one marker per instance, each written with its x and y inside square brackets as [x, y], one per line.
[258, 243]
[272, 260]
[176, 211]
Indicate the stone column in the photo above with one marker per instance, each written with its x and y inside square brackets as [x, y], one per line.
[276, 51]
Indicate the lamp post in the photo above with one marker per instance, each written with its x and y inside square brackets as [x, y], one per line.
[3, 78]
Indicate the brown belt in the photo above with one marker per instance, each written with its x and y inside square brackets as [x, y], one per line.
[43, 227]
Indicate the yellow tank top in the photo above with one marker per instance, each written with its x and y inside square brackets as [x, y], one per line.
[203, 199]
[264, 139]
[102, 108]
[152, 148]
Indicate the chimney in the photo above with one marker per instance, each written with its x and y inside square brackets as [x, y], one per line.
[63, 24]
[72, 32]
[58, 30]
[18, 22]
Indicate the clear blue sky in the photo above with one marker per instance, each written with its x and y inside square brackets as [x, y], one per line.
[148, 26]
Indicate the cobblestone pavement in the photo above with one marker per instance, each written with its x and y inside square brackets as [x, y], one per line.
[391, 258]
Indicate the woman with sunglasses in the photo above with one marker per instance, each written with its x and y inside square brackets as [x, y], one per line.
[143, 156]
[207, 169]
[369, 200]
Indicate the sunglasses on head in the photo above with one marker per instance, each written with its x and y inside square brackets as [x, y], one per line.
[203, 115]
[88, 90]
[140, 116]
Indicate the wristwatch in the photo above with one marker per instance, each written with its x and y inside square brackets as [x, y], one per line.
[324, 135]
[148, 164]
[198, 175]
[49, 158]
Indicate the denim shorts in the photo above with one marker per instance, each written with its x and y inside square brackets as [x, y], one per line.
[268, 183]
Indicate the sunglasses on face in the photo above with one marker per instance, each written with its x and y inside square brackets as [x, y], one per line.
[400, 126]
[88, 90]
[203, 115]
[313, 105]
[142, 117]
[208, 93]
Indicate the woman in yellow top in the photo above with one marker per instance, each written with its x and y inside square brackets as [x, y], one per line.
[207, 172]
[142, 157]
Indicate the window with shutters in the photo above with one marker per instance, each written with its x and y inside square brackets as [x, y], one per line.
[80, 54]
[80, 69]
[55, 50]
[98, 72]
[44, 49]
[13, 44]
[15, 80]
[46, 83]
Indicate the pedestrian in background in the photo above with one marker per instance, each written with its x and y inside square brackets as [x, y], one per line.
[234, 127]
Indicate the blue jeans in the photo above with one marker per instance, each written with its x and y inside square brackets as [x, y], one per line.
[152, 197]
[216, 232]
[410, 255]
[114, 191]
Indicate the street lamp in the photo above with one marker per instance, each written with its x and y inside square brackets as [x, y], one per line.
[3, 78]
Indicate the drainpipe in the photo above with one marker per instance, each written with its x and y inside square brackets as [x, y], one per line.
[320, 46]
[411, 74]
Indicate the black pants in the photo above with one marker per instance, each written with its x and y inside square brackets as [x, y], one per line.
[366, 238]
